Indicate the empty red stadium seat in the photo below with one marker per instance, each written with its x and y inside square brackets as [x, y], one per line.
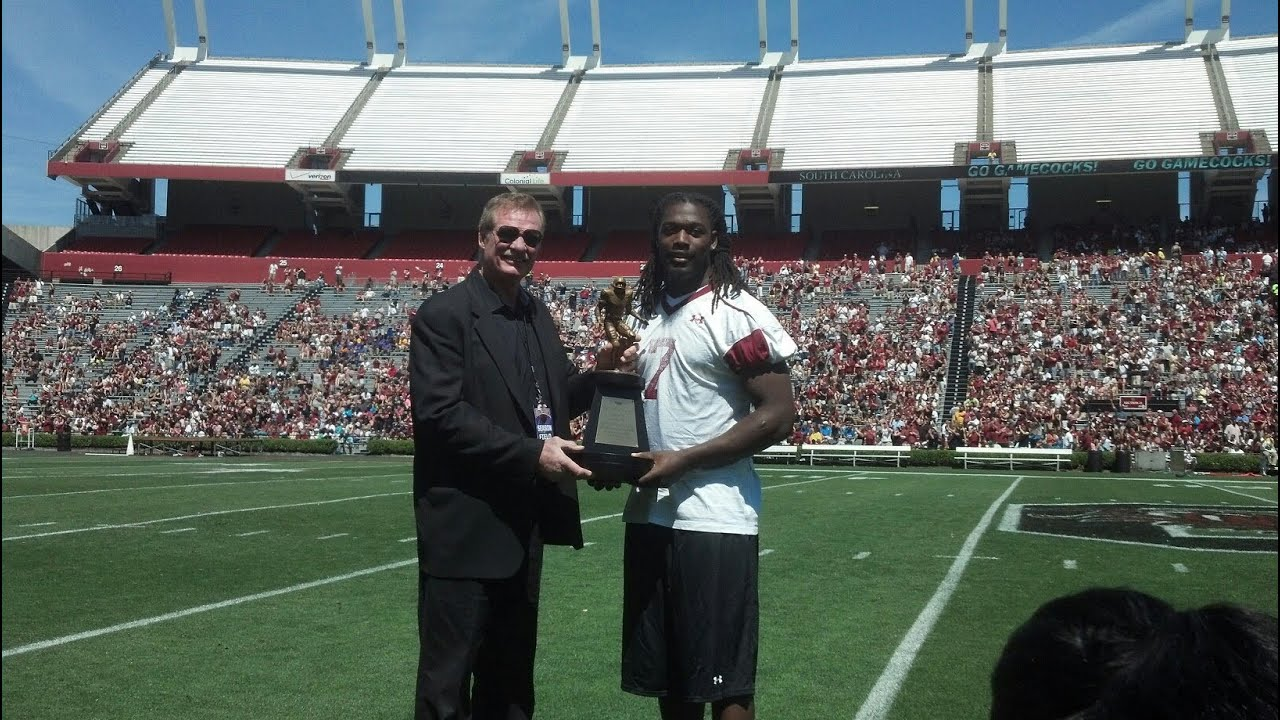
[216, 240]
[770, 246]
[89, 243]
[332, 243]
[430, 244]
[624, 245]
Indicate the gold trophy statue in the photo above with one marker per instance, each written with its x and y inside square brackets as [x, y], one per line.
[615, 428]
[611, 312]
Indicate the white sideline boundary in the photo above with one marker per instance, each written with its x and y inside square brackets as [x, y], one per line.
[880, 700]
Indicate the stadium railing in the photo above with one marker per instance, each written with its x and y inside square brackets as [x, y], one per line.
[832, 454]
[205, 446]
[1057, 457]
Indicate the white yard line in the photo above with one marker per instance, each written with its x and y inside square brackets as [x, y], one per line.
[766, 551]
[880, 700]
[862, 555]
[44, 644]
[1237, 492]
[178, 530]
[176, 487]
[201, 515]
[800, 482]
[330, 537]
[1179, 567]
[1069, 565]
[252, 532]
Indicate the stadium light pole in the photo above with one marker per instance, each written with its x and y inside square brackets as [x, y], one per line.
[595, 32]
[401, 45]
[1004, 22]
[1188, 22]
[968, 24]
[795, 30]
[763, 21]
[186, 54]
[170, 28]
[371, 56]
[566, 48]
[370, 36]
[202, 32]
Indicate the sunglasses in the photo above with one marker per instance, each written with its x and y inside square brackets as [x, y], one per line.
[508, 235]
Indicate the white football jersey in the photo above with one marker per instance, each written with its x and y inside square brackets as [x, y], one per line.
[691, 358]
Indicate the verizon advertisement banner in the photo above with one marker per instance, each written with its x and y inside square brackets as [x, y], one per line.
[326, 176]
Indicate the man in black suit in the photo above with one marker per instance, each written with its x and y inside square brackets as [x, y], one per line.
[492, 393]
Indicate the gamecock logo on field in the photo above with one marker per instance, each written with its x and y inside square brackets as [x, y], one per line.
[1195, 527]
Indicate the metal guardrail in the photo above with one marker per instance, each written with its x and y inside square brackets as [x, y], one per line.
[70, 275]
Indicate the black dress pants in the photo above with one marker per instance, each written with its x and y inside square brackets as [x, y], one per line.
[476, 646]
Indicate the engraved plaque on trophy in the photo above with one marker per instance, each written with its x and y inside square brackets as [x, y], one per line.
[616, 429]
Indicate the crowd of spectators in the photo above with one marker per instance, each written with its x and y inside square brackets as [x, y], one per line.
[1050, 345]
[1046, 347]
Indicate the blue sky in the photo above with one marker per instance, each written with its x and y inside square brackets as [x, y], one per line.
[62, 59]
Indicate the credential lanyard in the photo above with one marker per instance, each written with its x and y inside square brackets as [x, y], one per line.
[543, 423]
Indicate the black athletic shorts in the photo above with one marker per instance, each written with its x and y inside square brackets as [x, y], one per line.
[691, 615]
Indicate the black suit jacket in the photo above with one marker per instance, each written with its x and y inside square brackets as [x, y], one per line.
[477, 498]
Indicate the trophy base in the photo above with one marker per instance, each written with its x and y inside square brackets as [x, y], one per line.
[617, 378]
[612, 467]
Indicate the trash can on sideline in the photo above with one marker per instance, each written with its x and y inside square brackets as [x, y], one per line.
[1124, 462]
[1094, 461]
[64, 441]
[1178, 461]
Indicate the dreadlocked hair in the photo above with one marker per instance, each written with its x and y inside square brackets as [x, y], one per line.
[725, 279]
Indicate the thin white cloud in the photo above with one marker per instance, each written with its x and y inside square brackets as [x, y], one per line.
[1147, 23]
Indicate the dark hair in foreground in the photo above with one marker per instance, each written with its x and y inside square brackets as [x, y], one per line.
[1113, 654]
[725, 278]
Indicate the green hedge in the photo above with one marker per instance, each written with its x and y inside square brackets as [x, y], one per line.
[1227, 462]
[930, 458]
[378, 446]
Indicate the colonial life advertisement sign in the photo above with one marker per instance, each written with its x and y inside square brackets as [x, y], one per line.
[1066, 168]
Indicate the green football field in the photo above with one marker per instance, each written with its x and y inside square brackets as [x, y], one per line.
[284, 587]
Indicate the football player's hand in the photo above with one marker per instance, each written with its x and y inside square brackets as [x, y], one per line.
[667, 468]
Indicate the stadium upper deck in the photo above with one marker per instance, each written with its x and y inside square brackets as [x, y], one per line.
[235, 119]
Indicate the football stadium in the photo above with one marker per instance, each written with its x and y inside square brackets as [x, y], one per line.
[1033, 291]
